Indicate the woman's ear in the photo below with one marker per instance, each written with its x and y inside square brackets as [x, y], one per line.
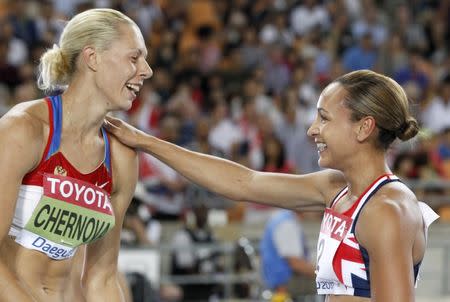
[89, 57]
[366, 126]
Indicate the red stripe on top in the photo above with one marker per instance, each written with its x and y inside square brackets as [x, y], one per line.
[50, 126]
[348, 253]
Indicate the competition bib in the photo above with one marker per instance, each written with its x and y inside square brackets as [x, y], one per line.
[333, 230]
[70, 213]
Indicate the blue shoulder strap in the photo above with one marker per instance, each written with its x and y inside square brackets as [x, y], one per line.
[107, 160]
[56, 112]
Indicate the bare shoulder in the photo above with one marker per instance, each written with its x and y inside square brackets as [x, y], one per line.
[24, 129]
[125, 166]
[121, 154]
[35, 109]
[395, 199]
[392, 211]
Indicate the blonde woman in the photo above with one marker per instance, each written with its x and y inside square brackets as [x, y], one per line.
[66, 183]
[373, 235]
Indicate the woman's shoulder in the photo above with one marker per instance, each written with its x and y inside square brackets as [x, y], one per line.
[125, 164]
[34, 112]
[121, 152]
[29, 116]
[394, 197]
[392, 208]
[24, 129]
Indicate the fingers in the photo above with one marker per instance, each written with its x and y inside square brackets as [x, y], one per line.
[112, 120]
[111, 123]
[109, 126]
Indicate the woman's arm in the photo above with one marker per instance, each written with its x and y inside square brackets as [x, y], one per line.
[20, 151]
[387, 228]
[100, 277]
[230, 179]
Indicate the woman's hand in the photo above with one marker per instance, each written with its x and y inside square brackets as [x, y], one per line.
[126, 133]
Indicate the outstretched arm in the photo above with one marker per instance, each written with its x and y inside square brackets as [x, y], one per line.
[230, 179]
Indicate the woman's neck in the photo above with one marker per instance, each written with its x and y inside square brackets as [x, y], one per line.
[363, 173]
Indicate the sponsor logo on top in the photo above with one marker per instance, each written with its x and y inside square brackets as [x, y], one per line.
[335, 224]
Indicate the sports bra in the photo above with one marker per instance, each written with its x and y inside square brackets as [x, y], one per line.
[59, 208]
[342, 263]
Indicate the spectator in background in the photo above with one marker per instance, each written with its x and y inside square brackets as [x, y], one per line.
[277, 73]
[24, 26]
[408, 28]
[146, 110]
[183, 105]
[414, 72]
[300, 149]
[250, 50]
[436, 115]
[9, 74]
[161, 187]
[187, 259]
[224, 133]
[147, 12]
[49, 23]
[274, 156]
[201, 144]
[444, 152]
[139, 228]
[403, 165]
[18, 50]
[393, 54]
[308, 15]
[370, 22]
[361, 56]
[251, 132]
[286, 266]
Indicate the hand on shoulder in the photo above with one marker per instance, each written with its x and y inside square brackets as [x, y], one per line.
[125, 166]
[124, 132]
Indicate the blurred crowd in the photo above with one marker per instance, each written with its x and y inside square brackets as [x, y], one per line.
[240, 79]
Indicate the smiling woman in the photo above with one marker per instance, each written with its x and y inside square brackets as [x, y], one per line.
[66, 183]
[359, 259]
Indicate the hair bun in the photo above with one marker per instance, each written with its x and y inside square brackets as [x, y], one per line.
[408, 130]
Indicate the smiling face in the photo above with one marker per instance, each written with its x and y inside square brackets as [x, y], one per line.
[333, 130]
[122, 68]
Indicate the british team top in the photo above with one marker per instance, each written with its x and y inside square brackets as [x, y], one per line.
[59, 208]
[342, 263]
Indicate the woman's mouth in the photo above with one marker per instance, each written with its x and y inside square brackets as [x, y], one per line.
[133, 88]
[321, 147]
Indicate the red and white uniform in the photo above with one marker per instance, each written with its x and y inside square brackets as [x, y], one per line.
[59, 208]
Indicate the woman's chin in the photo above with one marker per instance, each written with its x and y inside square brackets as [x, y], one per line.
[324, 164]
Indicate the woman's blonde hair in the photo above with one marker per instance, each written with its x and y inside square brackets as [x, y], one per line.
[96, 27]
[372, 94]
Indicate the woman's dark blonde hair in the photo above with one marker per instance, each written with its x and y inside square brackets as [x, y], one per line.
[96, 27]
[372, 94]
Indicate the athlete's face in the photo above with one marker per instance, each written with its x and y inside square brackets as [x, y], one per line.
[333, 131]
[123, 68]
